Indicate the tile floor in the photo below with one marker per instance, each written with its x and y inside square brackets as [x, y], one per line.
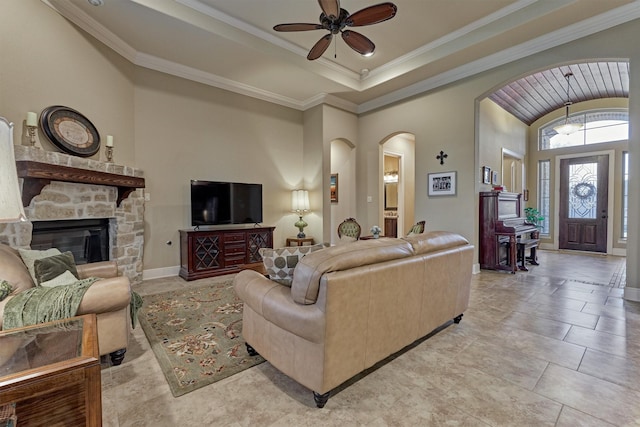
[555, 346]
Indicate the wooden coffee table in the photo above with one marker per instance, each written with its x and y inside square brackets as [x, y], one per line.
[51, 372]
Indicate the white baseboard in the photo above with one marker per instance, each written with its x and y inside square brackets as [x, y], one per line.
[632, 294]
[157, 273]
[475, 268]
[619, 252]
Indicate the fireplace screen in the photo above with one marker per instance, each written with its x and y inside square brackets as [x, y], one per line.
[87, 239]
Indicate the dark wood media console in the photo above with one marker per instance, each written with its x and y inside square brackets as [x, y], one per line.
[208, 253]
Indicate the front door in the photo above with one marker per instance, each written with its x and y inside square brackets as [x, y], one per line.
[584, 183]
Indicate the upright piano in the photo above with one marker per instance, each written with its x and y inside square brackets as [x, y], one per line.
[501, 229]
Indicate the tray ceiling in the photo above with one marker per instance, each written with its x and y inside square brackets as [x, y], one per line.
[230, 44]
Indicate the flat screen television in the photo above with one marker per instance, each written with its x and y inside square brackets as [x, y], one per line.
[217, 203]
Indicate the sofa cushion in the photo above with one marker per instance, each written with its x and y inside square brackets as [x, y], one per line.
[280, 263]
[306, 280]
[13, 270]
[434, 241]
[29, 257]
[63, 279]
[51, 267]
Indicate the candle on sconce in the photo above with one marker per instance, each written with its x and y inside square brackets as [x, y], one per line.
[109, 141]
[32, 119]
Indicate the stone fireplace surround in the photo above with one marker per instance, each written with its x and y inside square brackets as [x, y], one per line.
[65, 199]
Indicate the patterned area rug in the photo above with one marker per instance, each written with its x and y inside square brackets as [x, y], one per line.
[196, 335]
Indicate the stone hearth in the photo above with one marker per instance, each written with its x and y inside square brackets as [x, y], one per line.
[70, 200]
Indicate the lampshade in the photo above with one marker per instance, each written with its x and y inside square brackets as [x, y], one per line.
[300, 201]
[11, 209]
[567, 128]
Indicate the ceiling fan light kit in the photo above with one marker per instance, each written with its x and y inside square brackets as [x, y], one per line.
[334, 19]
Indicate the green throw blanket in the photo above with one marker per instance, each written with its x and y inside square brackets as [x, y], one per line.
[41, 304]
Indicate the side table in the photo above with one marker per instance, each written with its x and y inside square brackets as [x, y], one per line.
[300, 241]
[51, 372]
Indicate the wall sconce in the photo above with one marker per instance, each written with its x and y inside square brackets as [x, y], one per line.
[11, 209]
[300, 205]
[32, 124]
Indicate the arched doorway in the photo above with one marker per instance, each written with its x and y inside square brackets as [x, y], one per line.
[397, 183]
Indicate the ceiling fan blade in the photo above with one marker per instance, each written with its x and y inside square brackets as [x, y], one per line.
[358, 42]
[297, 27]
[331, 8]
[372, 15]
[318, 49]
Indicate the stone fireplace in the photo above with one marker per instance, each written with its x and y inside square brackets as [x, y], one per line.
[60, 187]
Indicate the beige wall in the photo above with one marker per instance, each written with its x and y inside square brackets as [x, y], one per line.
[498, 131]
[47, 61]
[343, 164]
[186, 130]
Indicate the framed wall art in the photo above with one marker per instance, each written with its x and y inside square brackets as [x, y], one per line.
[333, 188]
[494, 177]
[486, 175]
[442, 184]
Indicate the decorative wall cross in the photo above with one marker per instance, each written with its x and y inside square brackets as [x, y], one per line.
[441, 157]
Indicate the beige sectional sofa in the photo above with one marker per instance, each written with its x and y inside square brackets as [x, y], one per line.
[350, 306]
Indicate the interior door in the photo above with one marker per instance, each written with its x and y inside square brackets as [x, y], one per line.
[584, 183]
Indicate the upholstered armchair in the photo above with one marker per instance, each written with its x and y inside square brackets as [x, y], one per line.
[349, 227]
[108, 298]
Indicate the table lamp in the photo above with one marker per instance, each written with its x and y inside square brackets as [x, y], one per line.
[300, 205]
[11, 209]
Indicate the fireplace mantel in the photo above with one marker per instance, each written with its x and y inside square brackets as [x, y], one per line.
[37, 175]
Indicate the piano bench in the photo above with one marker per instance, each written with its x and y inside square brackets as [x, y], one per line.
[524, 244]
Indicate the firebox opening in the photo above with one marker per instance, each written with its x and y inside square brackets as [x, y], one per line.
[87, 239]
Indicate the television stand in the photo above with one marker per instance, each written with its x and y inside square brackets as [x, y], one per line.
[214, 252]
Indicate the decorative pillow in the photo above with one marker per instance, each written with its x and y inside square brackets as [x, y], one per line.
[280, 263]
[5, 289]
[29, 257]
[51, 267]
[66, 278]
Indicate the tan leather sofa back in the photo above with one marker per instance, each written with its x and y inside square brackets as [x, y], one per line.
[306, 276]
[373, 298]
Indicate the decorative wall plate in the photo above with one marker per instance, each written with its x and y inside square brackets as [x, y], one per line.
[70, 131]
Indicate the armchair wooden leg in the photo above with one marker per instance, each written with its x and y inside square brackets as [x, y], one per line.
[117, 356]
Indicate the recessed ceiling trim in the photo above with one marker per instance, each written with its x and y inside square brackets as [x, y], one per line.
[567, 34]
[448, 44]
[271, 38]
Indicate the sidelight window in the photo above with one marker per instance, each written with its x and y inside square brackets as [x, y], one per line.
[625, 192]
[544, 197]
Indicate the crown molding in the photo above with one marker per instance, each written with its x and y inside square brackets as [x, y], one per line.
[568, 34]
[93, 27]
[573, 32]
[196, 75]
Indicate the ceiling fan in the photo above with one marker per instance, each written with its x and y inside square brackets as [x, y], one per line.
[334, 19]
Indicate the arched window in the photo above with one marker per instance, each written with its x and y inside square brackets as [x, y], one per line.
[598, 126]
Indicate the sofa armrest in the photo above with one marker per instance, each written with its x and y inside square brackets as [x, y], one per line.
[275, 304]
[103, 269]
[105, 296]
